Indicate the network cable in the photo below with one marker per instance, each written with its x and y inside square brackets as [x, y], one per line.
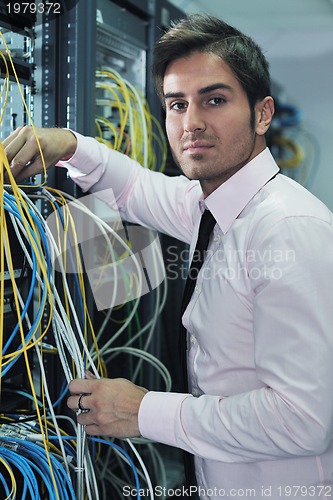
[42, 305]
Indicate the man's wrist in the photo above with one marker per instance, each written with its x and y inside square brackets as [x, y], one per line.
[71, 144]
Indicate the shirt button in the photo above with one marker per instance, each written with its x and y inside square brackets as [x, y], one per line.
[194, 392]
[217, 237]
[197, 288]
[193, 339]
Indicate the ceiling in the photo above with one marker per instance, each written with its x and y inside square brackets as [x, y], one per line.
[283, 28]
[281, 14]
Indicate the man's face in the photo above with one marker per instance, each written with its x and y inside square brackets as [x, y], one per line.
[208, 120]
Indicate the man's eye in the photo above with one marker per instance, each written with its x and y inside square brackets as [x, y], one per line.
[178, 106]
[217, 100]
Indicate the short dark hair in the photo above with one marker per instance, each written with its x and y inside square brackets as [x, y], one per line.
[203, 33]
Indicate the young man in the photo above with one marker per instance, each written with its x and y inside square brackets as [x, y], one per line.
[259, 415]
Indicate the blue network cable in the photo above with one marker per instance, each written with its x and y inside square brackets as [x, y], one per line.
[10, 201]
[12, 208]
[31, 460]
[3, 481]
[77, 284]
[64, 484]
[29, 479]
[116, 447]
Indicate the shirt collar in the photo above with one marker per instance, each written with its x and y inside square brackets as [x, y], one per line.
[230, 199]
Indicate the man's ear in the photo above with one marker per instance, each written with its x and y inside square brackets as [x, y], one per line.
[264, 111]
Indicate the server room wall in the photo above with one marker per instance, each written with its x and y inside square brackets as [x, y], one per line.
[88, 69]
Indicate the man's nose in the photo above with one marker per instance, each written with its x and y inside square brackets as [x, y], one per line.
[194, 121]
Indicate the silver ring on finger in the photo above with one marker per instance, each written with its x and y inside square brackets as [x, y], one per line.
[80, 404]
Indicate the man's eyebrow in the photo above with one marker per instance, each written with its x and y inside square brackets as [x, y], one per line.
[204, 90]
[173, 95]
[215, 86]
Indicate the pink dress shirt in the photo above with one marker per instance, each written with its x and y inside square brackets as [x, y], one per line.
[259, 418]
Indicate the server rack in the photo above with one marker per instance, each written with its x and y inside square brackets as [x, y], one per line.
[17, 39]
[73, 47]
[59, 81]
[17, 109]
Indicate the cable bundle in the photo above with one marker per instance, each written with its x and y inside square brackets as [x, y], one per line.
[129, 126]
[71, 343]
[37, 455]
[71, 328]
[294, 149]
[35, 314]
[30, 461]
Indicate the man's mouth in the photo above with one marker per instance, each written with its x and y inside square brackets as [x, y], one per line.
[197, 147]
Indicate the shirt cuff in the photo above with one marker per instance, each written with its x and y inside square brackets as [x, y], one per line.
[95, 167]
[83, 161]
[159, 414]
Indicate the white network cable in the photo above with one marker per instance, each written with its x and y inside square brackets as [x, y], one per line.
[60, 318]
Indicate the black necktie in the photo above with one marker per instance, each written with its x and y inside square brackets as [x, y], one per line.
[206, 226]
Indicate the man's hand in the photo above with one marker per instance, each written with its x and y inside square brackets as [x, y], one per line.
[23, 152]
[113, 406]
